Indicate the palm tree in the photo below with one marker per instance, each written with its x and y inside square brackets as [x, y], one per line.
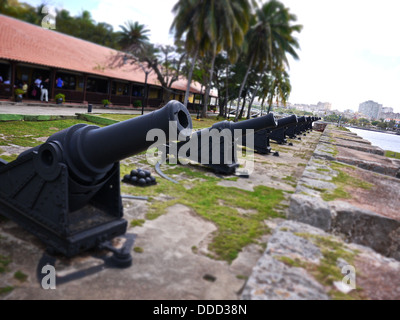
[269, 40]
[210, 26]
[134, 36]
[281, 88]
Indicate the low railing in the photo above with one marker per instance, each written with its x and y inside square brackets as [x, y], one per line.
[120, 100]
[194, 107]
[70, 95]
[154, 103]
[5, 90]
[96, 98]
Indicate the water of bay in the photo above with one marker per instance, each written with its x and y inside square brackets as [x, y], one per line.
[385, 141]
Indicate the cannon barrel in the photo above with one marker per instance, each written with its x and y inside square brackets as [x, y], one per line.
[301, 119]
[90, 151]
[265, 122]
[279, 134]
[285, 122]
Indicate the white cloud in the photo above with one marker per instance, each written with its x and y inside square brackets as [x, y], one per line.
[155, 14]
[349, 52]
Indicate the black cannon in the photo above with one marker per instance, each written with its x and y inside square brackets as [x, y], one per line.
[313, 119]
[262, 137]
[216, 147]
[293, 131]
[67, 190]
[279, 134]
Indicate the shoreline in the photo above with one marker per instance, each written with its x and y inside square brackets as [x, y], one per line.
[387, 143]
[374, 130]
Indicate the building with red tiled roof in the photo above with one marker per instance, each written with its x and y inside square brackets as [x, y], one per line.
[89, 72]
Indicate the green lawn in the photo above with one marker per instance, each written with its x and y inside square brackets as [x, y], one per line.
[392, 154]
[197, 124]
[25, 133]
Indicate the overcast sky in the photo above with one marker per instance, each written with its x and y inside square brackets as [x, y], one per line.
[350, 52]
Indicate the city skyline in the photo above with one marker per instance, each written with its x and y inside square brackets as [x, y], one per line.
[347, 55]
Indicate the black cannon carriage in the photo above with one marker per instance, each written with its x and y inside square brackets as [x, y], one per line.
[221, 154]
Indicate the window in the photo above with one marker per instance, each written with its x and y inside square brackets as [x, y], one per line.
[154, 93]
[69, 80]
[97, 85]
[137, 91]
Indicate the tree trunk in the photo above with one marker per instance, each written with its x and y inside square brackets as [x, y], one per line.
[208, 87]
[222, 107]
[262, 106]
[241, 110]
[250, 104]
[222, 113]
[190, 75]
[254, 95]
[242, 87]
[269, 107]
[228, 109]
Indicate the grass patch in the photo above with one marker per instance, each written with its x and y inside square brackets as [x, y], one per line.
[118, 117]
[4, 262]
[342, 129]
[6, 290]
[137, 223]
[338, 193]
[19, 275]
[235, 230]
[197, 124]
[290, 179]
[31, 131]
[323, 170]
[392, 154]
[138, 249]
[195, 250]
[297, 263]
[9, 158]
[342, 181]
[327, 272]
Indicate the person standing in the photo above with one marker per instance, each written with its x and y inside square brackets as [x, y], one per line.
[59, 82]
[36, 88]
[45, 90]
[25, 87]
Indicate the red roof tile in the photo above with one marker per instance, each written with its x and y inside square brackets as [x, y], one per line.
[24, 42]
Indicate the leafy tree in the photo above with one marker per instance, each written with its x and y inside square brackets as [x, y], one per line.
[363, 122]
[269, 39]
[134, 36]
[210, 26]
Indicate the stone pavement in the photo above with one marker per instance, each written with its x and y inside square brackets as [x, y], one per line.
[299, 260]
[339, 215]
[167, 266]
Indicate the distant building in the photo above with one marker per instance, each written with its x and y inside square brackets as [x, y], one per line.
[390, 115]
[387, 110]
[326, 106]
[371, 109]
[90, 73]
